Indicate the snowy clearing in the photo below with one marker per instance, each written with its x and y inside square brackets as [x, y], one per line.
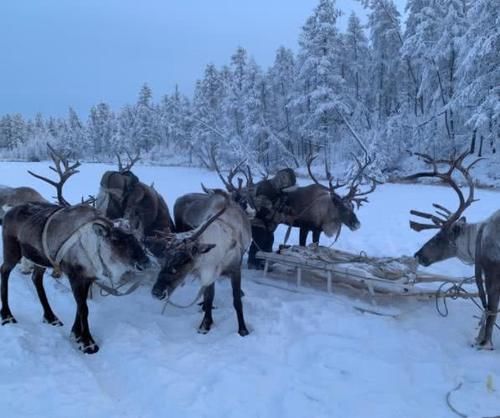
[308, 354]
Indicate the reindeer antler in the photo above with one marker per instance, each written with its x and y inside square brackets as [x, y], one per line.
[232, 172]
[354, 195]
[63, 169]
[445, 217]
[130, 163]
[310, 158]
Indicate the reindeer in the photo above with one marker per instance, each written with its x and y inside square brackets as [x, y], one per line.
[473, 243]
[318, 208]
[122, 195]
[13, 196]
[77, 240]
[232, 233]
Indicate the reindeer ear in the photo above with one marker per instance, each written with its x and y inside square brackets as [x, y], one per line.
[207, 190]
[462, 221]
[100, 229]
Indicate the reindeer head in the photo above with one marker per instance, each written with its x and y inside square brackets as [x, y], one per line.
[451, 226]
[178, 254]
[345, 204]
[123, 247]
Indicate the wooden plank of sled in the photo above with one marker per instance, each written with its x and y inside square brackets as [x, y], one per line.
[266, 268]
[337, 272]
[373, 284]
[321, 265]
[431, 277]
[329, 282]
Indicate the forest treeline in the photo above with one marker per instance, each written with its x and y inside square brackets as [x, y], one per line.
[431, 85]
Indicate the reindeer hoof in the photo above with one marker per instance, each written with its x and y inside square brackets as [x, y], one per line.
[243, 332]
[488, 345]
[9, 320]
[91, 348]
[204, 327]
[55, 322]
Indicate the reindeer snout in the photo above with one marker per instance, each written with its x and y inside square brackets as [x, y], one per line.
[355, 226]
[158, 293]
[422, 259]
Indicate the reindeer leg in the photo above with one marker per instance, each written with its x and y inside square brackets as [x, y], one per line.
[316, 234]
[238, 306]
[208, 299]
[12, 255]
[48, 314]
[493, 291]
[303, 236]
[80, 329]
[5, 313]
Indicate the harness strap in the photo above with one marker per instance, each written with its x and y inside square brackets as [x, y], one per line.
[115, 290]
[65, 246]
[196, 299]
[45, 246]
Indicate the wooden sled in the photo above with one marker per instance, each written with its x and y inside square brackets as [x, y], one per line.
[379, 275]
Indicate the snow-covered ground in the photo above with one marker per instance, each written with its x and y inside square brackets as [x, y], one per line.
[309, 354]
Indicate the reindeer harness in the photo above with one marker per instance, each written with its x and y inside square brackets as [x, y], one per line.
[68, 243]
[71, 240]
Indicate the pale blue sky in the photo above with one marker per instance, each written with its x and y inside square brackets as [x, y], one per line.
[57, 53]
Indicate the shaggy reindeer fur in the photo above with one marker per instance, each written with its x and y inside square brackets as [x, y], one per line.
[232, 234]
[122, 195]
[98, 250]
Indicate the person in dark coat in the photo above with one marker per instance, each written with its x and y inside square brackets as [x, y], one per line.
[271, 207]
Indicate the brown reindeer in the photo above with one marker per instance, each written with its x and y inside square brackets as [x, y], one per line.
[80, 242]
[13, 196]
[473, 243]
[319, 208]
[122, 195]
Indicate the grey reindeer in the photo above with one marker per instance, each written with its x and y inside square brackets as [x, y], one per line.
[473, 243]
[232, 234]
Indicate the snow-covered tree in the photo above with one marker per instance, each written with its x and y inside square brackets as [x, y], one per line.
[320, 89]
[357, 77]
[101, 130]
[207, 113]
[478, 92]
[281, 121]
[385, 35]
